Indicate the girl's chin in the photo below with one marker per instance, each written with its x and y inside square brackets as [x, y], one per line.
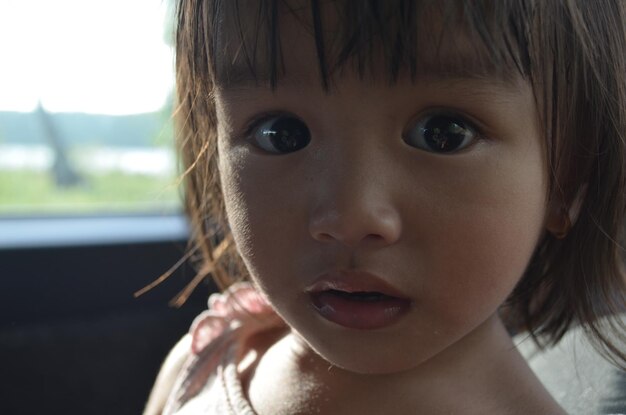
[380, 369]
[356, 363]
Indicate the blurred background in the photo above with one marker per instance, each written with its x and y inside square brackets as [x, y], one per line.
[85, 102]
[90, 209]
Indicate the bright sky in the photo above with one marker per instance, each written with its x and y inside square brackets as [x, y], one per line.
[95, 56]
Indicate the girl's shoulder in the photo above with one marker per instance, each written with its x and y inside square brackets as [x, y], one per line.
[218, 340]
[576, 375]
[167, 376]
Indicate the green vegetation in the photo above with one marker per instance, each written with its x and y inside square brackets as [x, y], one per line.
[28, 192]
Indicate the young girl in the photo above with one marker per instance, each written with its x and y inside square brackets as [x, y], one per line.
[397, 186]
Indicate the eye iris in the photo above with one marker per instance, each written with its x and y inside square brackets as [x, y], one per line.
[444, 134]
[287, 134]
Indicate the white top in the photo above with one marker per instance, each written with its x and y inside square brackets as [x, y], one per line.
[209, 382]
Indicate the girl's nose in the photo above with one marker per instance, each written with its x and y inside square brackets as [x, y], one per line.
[355, 220]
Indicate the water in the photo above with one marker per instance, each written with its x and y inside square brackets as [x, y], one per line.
[155, 161]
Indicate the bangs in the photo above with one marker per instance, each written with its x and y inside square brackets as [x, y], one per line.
[374, 39]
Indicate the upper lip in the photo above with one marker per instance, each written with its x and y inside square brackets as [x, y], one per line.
[352, 281]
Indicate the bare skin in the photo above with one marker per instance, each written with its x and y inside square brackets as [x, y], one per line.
[290, 379]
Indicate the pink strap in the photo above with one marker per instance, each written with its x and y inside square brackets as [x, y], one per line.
[218, 335]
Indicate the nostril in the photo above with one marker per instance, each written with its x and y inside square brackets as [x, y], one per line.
[323, 237]
[361, 226]
[374, 237]
[349, 240]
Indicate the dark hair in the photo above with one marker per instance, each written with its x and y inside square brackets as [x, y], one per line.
[573, 53]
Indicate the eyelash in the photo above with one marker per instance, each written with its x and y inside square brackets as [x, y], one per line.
[252, 126]
[474, 133]
[456, 124]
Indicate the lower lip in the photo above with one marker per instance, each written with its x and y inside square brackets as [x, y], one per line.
[359, 314]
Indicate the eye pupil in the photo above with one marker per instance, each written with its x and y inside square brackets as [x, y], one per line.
[444, 134]
[283, 134]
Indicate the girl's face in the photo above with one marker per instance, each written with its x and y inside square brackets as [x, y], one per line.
[437, 187]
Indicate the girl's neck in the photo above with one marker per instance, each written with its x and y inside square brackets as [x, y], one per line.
[481, 373]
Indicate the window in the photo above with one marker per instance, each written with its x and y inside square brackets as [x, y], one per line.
[85, 106]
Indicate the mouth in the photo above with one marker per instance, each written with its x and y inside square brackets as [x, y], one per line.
[357, 300]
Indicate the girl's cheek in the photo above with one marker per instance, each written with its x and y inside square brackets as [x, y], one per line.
[484, 233]
[237, 209]
[255, 212]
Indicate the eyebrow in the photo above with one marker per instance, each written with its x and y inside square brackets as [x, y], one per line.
[241, 75]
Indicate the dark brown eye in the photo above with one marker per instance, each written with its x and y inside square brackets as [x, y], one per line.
[441, 133]
[281, 134]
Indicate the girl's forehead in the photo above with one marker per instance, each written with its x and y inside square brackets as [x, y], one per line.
[260, 45]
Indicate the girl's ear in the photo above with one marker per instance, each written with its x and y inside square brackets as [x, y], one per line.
[561, 218]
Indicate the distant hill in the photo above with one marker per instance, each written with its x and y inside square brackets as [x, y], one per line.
[140, 130]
